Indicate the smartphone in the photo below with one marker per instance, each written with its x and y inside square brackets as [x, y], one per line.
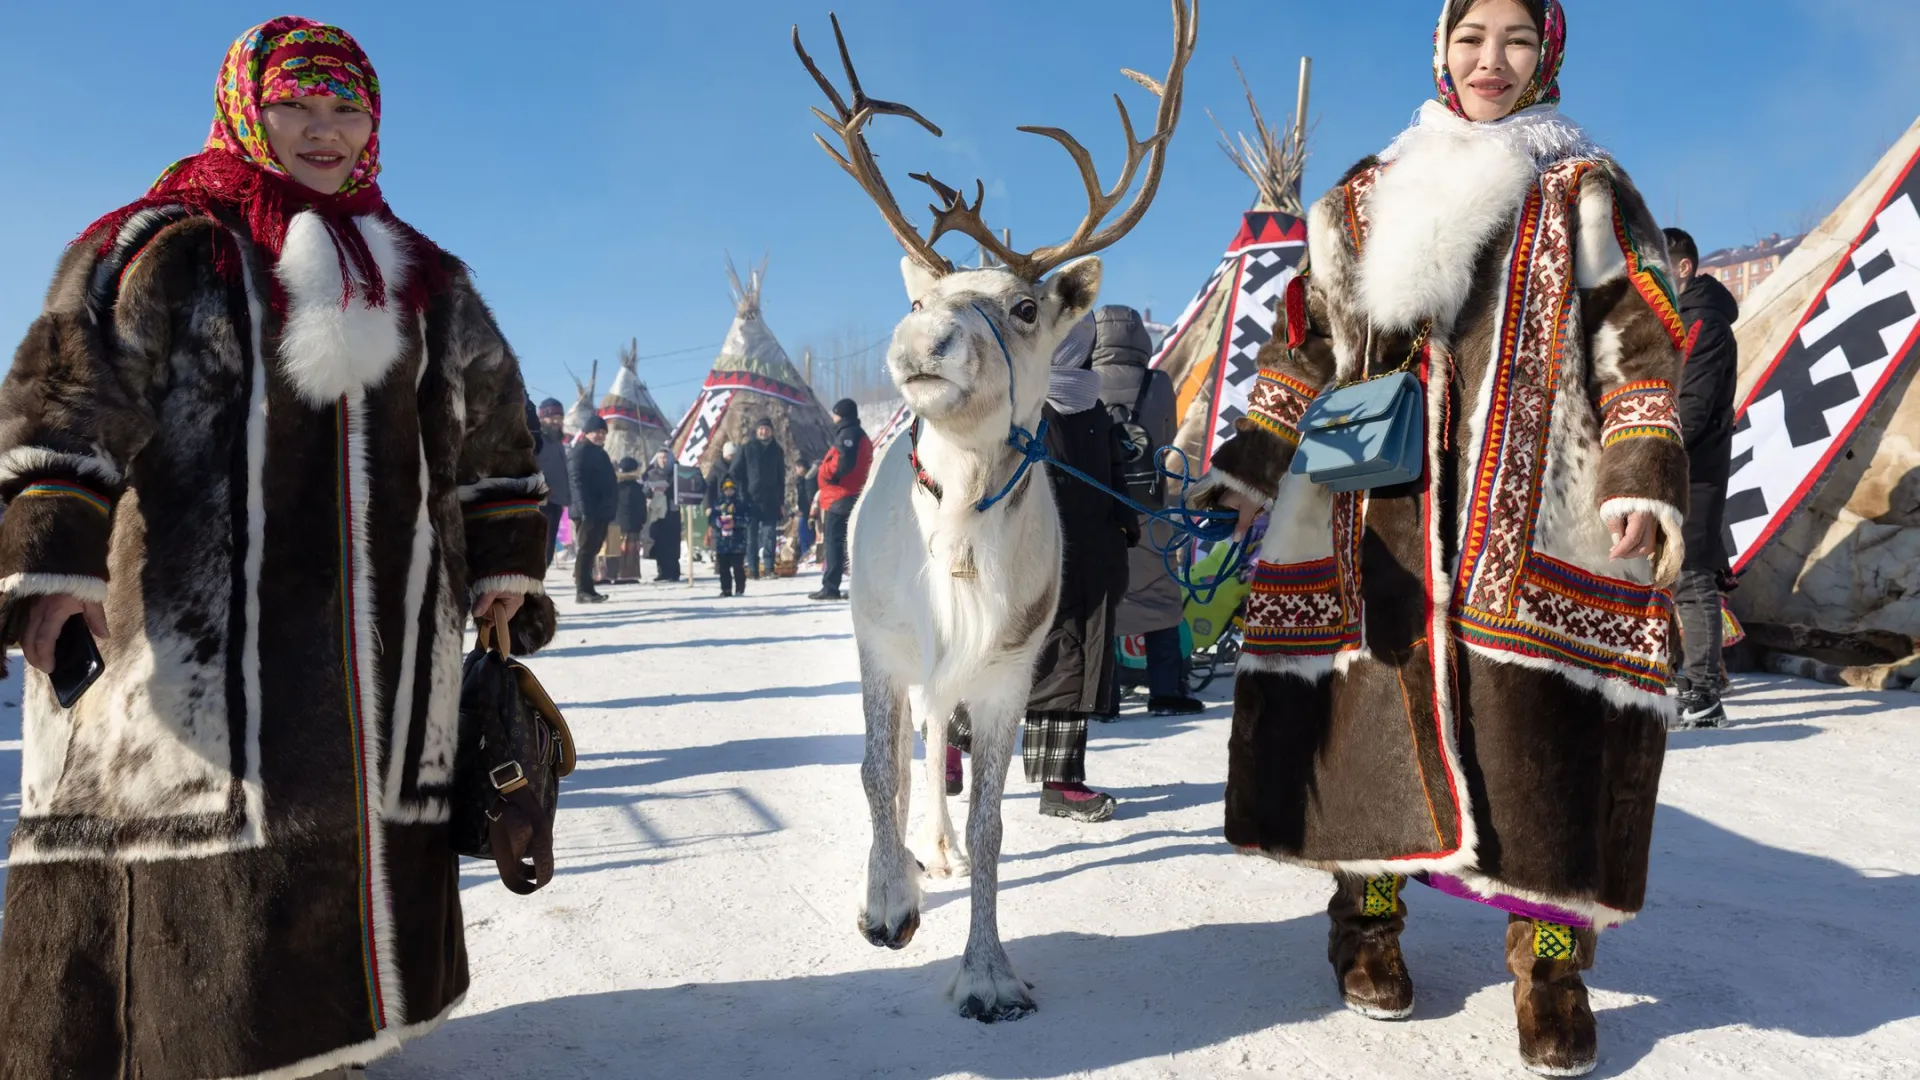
[77, 663]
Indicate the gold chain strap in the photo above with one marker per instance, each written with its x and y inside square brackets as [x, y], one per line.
[1419, 342]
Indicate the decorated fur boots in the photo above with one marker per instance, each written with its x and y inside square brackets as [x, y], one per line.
[1364, 946]
[1557, 1036]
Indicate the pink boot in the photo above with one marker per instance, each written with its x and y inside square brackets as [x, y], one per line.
[953, 770]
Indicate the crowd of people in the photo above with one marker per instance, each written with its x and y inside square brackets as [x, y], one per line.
[322, 569]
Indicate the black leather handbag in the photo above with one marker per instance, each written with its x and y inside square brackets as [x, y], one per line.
[514, 748]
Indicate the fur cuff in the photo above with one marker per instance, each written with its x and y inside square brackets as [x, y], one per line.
[1206, 493]
[1672, 549]
[39, 463]
[509, 585]
[510, 487]
[91, 590]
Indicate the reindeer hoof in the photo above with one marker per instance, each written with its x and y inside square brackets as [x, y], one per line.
[993, 1012]
[895, 937]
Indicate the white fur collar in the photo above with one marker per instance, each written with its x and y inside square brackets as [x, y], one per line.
[1452, 186]
[327, 350]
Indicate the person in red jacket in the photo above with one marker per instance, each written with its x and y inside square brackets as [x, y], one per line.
[843, 473]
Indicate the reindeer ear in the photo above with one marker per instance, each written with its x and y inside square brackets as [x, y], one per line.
[920, 280]
[1072, 291]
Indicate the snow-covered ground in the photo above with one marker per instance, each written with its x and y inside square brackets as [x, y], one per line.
[702, 922]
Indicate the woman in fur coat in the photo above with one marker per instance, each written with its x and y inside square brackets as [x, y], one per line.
[267, 441]
[1462, 679]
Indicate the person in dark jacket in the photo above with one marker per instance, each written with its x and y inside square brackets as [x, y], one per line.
[806, 485]
[553, 466]
[1155, 605]
[762, 473]
[663, 535]
[843, 475]
[1074, 679]
[596, 501]
[730, 531]
[1706, 422]
[630, 521]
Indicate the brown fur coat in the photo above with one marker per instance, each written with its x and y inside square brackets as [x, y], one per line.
[1452, 675]
[232, 856]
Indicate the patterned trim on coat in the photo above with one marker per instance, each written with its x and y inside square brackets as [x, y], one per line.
[1563, 614]
[1310, 608]
[1650, 281]
[1641, 410]
[1277, 403]
[92, 499]
[1357, 222]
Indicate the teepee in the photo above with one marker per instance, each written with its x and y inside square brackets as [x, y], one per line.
[635, 426]
[1823, 506]
[752, 379]
[582, 402]
[1212, 352]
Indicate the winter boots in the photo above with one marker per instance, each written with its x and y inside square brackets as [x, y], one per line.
[1175, 706]
[955, 774]
[1698, 708]
[1555, 1022]
[1557, 1036]
[1075, 802]
[1364, 946]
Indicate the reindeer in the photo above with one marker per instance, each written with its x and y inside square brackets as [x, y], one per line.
[956, 591]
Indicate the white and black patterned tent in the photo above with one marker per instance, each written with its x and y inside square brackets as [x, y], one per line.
[1823, 507]
[1212, 352]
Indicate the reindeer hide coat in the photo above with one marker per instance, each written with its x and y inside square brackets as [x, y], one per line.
[232, 856]
[1452, 677]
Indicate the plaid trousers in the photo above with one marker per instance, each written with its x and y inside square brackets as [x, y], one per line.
[1054, 747]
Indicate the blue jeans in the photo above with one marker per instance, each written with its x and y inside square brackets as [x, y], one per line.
[766, 541]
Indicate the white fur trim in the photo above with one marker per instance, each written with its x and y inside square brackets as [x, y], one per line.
[358, 1054]
[1597, 255]
[403, 698]
[1218, 479]
[366, 670]
[1310, 669]
[91, 590]
[509, 585]
[1673, 543]
[1617, 692]
[497, 487]
[1450, 188]
[251, 785]
[1441, 640]
[328, 351]
[27, 462]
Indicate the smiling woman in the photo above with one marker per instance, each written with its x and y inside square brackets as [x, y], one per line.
[267, 440]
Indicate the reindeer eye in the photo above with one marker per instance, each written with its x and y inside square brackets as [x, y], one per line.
[1026, 311]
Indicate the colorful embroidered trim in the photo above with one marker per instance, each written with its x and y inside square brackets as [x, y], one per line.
[1649, 280]
[504, 509]
[1614, 629]
[52, 490]
[1310, 609]
[1640, 431]
[1634, 389]
[1383, 896]
[356, 720]
[1552, 941]
[1277, 403]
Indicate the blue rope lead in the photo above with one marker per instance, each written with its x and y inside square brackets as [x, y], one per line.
[1189, 525]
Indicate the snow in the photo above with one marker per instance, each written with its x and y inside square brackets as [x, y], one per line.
[712, 842]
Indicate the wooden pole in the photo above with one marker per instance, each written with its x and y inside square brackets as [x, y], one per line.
[1300, 107]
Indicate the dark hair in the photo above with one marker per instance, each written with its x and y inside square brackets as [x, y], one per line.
[1457, 10]
[1680, 245]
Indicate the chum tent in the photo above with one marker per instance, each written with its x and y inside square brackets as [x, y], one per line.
[751, 379]
[1212, 352]
[1823, 504]
[635, 426]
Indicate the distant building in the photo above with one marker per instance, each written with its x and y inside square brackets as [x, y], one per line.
[1742, 269]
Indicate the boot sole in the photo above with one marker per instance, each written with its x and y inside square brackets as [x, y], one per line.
[1048, 810]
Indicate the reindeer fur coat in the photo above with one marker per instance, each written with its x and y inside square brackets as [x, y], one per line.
[232, 857]
[1452, 676]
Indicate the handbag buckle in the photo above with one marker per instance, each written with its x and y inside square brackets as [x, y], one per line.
[512, 783]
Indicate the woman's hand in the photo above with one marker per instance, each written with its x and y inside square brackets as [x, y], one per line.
[1634, 537]
[1248, 509]
[509, 603]
[48, 617]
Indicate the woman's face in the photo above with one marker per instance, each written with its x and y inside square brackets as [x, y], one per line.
[1492, 55]
[318, 139]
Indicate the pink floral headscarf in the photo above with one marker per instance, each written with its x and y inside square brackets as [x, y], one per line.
[1544, 89]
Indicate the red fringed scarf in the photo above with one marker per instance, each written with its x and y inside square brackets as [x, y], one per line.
[237, 174]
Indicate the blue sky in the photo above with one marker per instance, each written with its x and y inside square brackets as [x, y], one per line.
[593, 162]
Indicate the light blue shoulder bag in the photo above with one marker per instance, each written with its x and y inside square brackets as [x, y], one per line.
[1367, 434]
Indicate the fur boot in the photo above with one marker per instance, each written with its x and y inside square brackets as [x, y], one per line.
[1557, 1036]
[1364, 946]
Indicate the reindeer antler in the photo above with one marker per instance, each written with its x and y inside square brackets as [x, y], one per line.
[850, 124]
[954, 214]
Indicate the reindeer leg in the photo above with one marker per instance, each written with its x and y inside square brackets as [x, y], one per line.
[937, 839]
[891, 911]
[986, 988]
